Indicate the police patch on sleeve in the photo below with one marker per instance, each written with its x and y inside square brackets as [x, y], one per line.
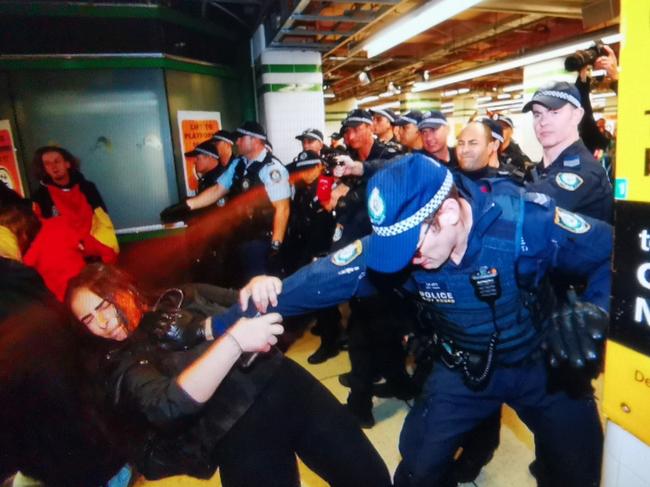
[571, 222]
[347, 254]
[569, 181]
[275, 176]
[376, 207]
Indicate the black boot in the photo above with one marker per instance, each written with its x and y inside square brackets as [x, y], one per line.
[322, 354]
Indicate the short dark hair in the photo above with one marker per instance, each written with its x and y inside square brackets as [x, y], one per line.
[37, 160]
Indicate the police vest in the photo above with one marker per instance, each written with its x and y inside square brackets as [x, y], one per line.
[461, 318]
[247, 178]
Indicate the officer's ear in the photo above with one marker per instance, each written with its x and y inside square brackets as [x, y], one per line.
[449, 212]
[578, 113]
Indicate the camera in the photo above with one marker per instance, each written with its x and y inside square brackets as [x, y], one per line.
[329, 159]
[582, 58]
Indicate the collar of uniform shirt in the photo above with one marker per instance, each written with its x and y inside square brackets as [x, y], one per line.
[260, 157]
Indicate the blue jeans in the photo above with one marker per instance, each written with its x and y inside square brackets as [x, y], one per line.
[568, 430]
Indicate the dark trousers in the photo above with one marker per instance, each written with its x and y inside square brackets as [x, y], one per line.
[375, 334]
[296, 414]
[567, 429]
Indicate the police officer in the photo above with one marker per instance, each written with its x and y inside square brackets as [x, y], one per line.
[407, 131]
[434, 130]
[479, 261]
[223, 141]
[265, 178]
[373, 329]
[509, 150]
[309, 236]
[568, 172]
[311, 140]
[383, 122]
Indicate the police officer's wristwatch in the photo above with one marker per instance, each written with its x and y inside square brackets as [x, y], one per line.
[275, 245]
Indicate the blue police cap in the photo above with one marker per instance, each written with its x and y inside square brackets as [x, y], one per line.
[495, 128]
[386, 113]
[432, 120]
[223, 136]
[413, 116]
[205, 148]
[554, 96]
[399, 198]
[306, 159]
[252, 129]
[314, 134]
[356, 118]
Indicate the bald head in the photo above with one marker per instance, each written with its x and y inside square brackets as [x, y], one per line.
[475, 147]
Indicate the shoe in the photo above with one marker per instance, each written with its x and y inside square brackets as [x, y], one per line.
[539, 471]
[321, 355]
[363, 415]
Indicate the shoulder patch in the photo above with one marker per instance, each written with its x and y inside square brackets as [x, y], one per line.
[275, 176]
[376, 207]
[538, 198]
[568, 180]
[572, 162]
[347, 254]
[571, 222]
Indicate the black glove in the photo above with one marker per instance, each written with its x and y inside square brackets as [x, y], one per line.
[177, 329]
[576, 333]
[175, 212]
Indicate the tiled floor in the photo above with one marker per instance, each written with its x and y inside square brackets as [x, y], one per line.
[509, 467]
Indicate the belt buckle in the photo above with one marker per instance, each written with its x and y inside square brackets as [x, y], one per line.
[450, 357]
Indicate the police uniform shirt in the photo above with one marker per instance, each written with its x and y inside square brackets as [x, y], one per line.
[514, 155]
[451, 164]
[273, 175]
[577, 182]
[211, 177]
[551, 238]
[378, 151]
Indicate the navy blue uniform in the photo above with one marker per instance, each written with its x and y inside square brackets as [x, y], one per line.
[577, 182]
[451, 164]
[523, 238]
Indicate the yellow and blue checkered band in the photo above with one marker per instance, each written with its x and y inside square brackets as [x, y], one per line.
[418, 217]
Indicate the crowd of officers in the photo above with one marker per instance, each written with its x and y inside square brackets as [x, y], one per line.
[290, 214]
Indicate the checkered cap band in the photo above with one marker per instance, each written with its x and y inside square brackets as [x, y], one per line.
[206, 153]
[497, 136]
[222, 138]
[252, 134]
[384, 113]
[358, 119]
[419, 216]
[559, 94]
[431, 122]
[311, 135]
[409, 120]
[308, 162]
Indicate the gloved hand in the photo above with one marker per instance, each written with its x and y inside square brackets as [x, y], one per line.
[577, 332]
[175, 212]
[177, 329]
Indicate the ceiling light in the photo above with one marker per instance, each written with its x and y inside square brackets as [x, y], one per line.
[392, 104]
[447, 105]
[368, 99]
[504, 96]
[606, 94]
[329, 95]
[419, 20]
[511, 64]
[508, 89]
[450, 93]
[425, 75]
[463, 91]
[481, 99]
[364, 78]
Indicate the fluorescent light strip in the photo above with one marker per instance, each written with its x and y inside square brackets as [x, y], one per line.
[392, 104]
[368, 99]
[607, 94]
[447, 105]
[329, 95]
[481, 99]
[512, 64]
[504, 96]
[421, 19]
[511, 88]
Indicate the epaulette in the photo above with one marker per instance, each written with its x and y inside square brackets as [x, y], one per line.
[571, 161]
[540, 199]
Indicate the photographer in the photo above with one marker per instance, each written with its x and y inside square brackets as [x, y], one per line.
[600, 56]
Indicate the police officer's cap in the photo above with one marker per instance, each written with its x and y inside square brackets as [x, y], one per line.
[554, 96]
[432, 120]
[412, 117]
[385, 112]
[313, 134]
[336, 136]
[252, 129]
[356, 118]
[205, 148]
[503, 120]
[306, 159]
[495, 128]
[223, 136]
[399, 198]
